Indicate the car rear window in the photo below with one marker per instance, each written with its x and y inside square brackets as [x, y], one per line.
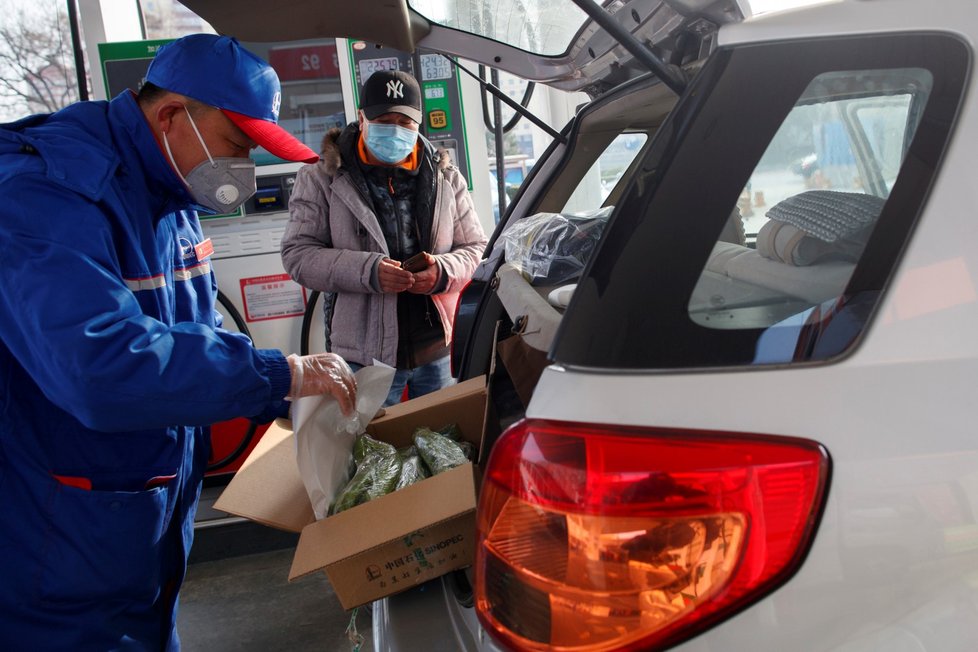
[591, 192]
[802, 221]
[770, 210]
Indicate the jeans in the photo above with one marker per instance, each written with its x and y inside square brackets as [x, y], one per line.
[419, 381]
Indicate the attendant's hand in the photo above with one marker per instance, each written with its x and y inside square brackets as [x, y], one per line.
[323, 373]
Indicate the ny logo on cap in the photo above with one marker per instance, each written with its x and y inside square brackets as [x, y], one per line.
[395, 89]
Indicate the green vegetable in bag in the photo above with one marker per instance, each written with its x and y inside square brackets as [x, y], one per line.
[438, 452]
[365, 445]
[379, 468]
[468, 449]
[451, 431]
[412, 470]
[377, 475]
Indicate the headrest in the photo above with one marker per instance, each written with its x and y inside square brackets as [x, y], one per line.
[819, 225]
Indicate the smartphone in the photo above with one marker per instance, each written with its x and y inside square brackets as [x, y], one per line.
[415, 263]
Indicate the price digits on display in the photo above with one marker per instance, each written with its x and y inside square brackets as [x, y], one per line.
[435, 66]
[370, 66]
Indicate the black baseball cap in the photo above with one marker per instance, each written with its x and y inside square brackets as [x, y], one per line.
[391, 91]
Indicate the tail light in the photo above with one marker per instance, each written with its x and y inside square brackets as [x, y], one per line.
[598, 538]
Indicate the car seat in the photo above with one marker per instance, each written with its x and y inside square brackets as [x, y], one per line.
[807, 249]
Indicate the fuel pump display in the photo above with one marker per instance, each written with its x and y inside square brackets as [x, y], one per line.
[443, 116]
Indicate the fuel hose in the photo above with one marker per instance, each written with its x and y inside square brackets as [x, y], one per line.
[242, 446]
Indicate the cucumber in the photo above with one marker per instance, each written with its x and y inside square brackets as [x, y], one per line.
[438, 452]
[376, 475]
[411, 471]
[365, 444]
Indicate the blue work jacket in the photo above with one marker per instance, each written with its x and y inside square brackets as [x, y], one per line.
[112, 364]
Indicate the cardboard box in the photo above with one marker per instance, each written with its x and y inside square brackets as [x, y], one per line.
[386, 545]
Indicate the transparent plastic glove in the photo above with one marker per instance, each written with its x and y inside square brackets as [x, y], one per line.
[323, 373]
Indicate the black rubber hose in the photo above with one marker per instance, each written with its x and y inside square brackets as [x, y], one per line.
[252, 427]
[307, 322]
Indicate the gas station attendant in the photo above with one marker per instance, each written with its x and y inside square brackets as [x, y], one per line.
[112, 356]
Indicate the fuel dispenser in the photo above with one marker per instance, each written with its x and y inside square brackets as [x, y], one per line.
[321, 81]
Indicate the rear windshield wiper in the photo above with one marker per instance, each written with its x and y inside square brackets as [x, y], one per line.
[510, 102]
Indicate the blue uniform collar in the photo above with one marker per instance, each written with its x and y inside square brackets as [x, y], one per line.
[168, 193]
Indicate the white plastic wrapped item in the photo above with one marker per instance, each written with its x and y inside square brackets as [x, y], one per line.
[553, 248]
[324, 436]
[560, 297]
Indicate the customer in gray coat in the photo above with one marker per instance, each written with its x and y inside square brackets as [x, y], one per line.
[380, 195]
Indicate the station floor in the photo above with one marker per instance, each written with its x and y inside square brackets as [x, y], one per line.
[237, 596]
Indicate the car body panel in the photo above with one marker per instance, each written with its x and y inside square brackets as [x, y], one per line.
[426, 618]
[899, 527]
[591, 59]
[257, 21]
[851, 17]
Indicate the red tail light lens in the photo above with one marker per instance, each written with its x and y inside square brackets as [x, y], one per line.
[597, 538]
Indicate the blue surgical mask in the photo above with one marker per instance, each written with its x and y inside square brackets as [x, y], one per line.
[390, 143]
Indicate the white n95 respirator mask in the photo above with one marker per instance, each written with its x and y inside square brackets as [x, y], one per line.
[218, 184]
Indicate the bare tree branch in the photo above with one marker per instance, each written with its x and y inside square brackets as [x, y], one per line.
[37, 67]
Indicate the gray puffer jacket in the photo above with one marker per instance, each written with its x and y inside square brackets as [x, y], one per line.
[334, 243]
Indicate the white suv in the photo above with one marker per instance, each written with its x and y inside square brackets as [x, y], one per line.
[751, 426]
[756, 430]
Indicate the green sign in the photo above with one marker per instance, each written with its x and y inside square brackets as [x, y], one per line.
[124, 64]
[437, 106]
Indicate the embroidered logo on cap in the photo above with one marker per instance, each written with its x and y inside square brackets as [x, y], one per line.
[276, 104]
[395, 89]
